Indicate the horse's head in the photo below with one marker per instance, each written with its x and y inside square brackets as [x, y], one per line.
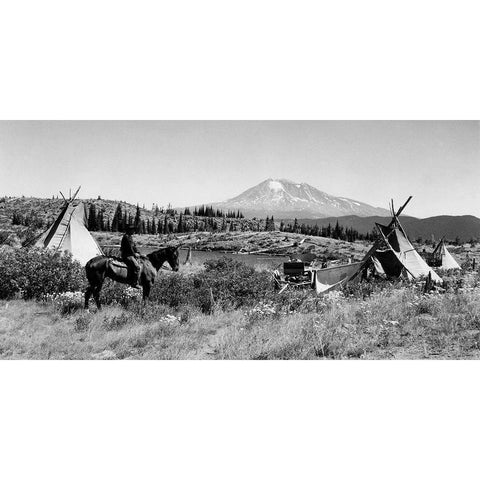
[166, 254]
[173, 258]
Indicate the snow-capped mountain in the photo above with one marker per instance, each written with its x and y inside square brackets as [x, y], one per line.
[287, 199]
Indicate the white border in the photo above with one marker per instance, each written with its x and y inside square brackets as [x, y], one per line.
[253, 59]
[242, 60]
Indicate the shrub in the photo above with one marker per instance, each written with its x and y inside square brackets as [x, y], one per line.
[224, 284]
[67, 302]
[36, 273]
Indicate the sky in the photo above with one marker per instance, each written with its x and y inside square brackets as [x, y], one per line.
[195, 162]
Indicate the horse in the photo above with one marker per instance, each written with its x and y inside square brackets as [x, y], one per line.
[101, 267]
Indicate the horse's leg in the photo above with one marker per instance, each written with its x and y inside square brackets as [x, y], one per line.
[96, 295]
[88, 294]
[146, 291]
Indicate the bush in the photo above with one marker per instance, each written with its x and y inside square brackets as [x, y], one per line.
[36, 273]
[67, 302]
[224, 284]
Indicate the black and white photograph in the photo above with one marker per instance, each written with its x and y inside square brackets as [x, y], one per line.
[240, 240]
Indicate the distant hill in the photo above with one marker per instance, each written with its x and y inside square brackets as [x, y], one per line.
[47, 209]
[41, 213]
[465, 227]
[284, 198]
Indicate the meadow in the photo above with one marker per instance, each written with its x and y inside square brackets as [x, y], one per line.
[228, 310]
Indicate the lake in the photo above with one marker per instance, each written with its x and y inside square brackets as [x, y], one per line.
[199, 257]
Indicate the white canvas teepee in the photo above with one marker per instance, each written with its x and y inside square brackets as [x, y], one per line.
[401, 254]
[69, 234]
[445, 259]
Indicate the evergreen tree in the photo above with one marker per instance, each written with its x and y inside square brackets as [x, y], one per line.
[16, 219]
[138, 220]
[100, 222]
[180, 224]
[117, 219]
[92, 218]
[295, 226]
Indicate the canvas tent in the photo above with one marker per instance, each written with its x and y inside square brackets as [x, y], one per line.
[69, 233]
[442, 258]
[326, 279]
[396, 258]
[400, 258]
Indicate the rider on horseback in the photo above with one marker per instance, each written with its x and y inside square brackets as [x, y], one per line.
[129, 256]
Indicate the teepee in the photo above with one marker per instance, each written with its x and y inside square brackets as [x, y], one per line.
[443, 258]
[400, 258]
[69, 233]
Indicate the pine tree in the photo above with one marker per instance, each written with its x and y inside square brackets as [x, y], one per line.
[138, 220]
[100, 221]
[92, 218]
[295, 226]
[271, 225]
[117, 219]
[179, 224]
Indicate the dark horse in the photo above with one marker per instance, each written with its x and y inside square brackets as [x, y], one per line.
[101, 267]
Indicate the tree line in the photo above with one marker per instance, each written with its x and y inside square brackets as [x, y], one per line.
[337, 232]
[30, 220]
[163, 221]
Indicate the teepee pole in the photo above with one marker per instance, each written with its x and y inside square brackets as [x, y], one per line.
[76, 193]
[188, 260]
[375, 245]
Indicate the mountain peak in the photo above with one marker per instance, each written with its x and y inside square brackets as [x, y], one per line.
[286, 198]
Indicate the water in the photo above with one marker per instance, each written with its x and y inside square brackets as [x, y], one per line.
[264, 261]
[199, 257]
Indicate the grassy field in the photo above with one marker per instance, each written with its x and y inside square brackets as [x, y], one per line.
[226, 309]
[395, 322]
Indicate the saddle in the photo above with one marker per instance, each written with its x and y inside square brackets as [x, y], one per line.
[117, 262]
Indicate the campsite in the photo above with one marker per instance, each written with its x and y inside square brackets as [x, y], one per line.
[242, 295]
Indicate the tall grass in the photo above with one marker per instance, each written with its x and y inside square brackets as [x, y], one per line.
[228, 310]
